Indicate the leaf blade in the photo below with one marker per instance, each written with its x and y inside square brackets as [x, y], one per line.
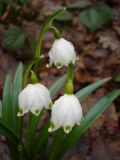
[57, 85]
[0, 109]
[17, 87]
[83, 93]
[95, 17]
[6, 102]
[14, 39]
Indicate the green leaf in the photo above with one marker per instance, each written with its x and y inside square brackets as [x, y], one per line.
[87, 122]
[17, 87]
[42, 138]
[63, 16]
[95, 17]
[13, 150]
[32, 126]
[0, 108]
[56, 143]
[117, 79]
[83, 93]
[9, 106]
[79, 5]
[6, 102]
[24, 2]
[8, 133]
[3, 7]
[10, 100]
[32, 43]
[57, 85]
[14, 39]
[9, 2]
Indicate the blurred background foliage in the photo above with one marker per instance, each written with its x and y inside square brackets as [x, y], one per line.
[92, 14]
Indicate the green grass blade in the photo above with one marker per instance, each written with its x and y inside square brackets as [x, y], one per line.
[42, 138]
[88, 120]
[32, 125]
[57, 85]
[0, 108]
[8, 133]
[13, 150]
[83, 93]
[56, 143]
[17, 86]
[6, 102]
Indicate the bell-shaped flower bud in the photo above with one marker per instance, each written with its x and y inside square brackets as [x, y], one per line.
[33, 98]
[66, 112]
[61, 53]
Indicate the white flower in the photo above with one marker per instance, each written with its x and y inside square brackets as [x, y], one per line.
[61, 53]
[66, 112]
[33, 98]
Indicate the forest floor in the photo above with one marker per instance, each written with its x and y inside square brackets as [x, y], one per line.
[99, 57]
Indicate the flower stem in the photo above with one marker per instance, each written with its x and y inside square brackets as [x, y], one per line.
[44, 28]
[56, 32]
[69, 86]
[37, 57]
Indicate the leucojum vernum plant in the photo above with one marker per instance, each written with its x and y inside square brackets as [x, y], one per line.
[67, 121]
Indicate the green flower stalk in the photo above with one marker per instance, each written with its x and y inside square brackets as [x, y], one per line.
[37, 57]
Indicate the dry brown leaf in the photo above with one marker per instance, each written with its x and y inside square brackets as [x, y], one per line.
[78, 157]
[109, 40]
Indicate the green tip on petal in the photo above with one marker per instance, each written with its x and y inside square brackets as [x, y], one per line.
[58, 65]
[52, 127]
[50, 105]
[20, 113]
[37, 112]
[42, 56]
[49, 65]
[67, 129]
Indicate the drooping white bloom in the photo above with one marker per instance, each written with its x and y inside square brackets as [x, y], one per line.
[66, 112]
[61, 53]
[33, 98]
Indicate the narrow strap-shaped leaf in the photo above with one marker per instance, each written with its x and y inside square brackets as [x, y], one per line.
[42, 138]
[13, 150]
[89, 89]
[8, 133]
[56, 144]
[0, 108]
[30, 140]
[88, 120]
[6, 102]
[17, 86]
[57, 85]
